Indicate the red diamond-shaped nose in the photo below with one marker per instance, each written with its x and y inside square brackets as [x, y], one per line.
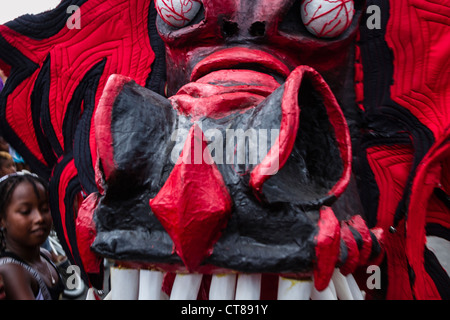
[194, 204]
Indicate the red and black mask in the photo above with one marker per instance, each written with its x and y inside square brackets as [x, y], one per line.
[239, 168]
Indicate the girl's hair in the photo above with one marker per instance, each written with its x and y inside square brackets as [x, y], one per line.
[8, 184]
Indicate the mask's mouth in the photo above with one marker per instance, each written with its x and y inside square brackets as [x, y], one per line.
[240, 58]
[230, 80]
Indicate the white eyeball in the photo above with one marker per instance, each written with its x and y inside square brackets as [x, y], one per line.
[178, 13]
[327, 18]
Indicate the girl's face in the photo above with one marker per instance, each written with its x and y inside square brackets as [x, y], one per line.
[8, 167]
[27, 218]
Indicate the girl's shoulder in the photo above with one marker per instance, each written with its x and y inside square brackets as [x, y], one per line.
[8, 268]
[18, 282]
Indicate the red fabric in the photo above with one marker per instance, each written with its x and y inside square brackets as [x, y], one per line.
[391, 166]
[427, 179]
[67, 175]
[359, 77]
[107, 28]
[86, 232]
[417, 33]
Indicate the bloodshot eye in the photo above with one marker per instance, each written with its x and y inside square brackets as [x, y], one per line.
[178, 13]
[327, 18]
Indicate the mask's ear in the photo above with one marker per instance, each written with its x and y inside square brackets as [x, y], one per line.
[125, 135]
[133, 130]
[310, 163]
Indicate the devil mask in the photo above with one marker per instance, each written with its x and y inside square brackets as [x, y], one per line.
[238, 169]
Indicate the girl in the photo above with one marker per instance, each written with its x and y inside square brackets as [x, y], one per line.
[25, 223]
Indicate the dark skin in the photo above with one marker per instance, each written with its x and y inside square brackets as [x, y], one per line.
[27, 222]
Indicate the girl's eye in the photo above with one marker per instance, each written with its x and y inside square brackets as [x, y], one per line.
[327, 18]
[178, 13]
[25, 212]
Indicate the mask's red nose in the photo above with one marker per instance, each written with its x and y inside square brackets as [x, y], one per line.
[194, 204]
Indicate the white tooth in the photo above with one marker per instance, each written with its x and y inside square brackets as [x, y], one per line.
[354, 289]
[90, 294]
[108, 296]
[248, 287]
[326, 294]
[186, 286]
[290, 289]
[342, 289]
[150, 283]
[164, 296]
[222, 287]
[332, 288]
[441, 249]
[124, 284]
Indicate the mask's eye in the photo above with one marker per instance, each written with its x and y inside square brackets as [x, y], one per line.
[327, 18]
[178, 13]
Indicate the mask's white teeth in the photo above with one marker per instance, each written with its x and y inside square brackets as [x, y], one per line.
[90, 294]
[248, 287]
[342, 288]
[150, 283]
[124, 284]
[290, 289]
[354, 289]
[186, 286]
[222, 287]
[326, 294]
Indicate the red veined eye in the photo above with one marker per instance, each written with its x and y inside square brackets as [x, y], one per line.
[327, 18]
[178, 13]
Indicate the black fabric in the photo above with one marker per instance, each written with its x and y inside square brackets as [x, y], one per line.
[383, 117]
[39, 108]
[21, 69]
[79, 133]
[376, 248]
[157, 78]
[434, 229]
